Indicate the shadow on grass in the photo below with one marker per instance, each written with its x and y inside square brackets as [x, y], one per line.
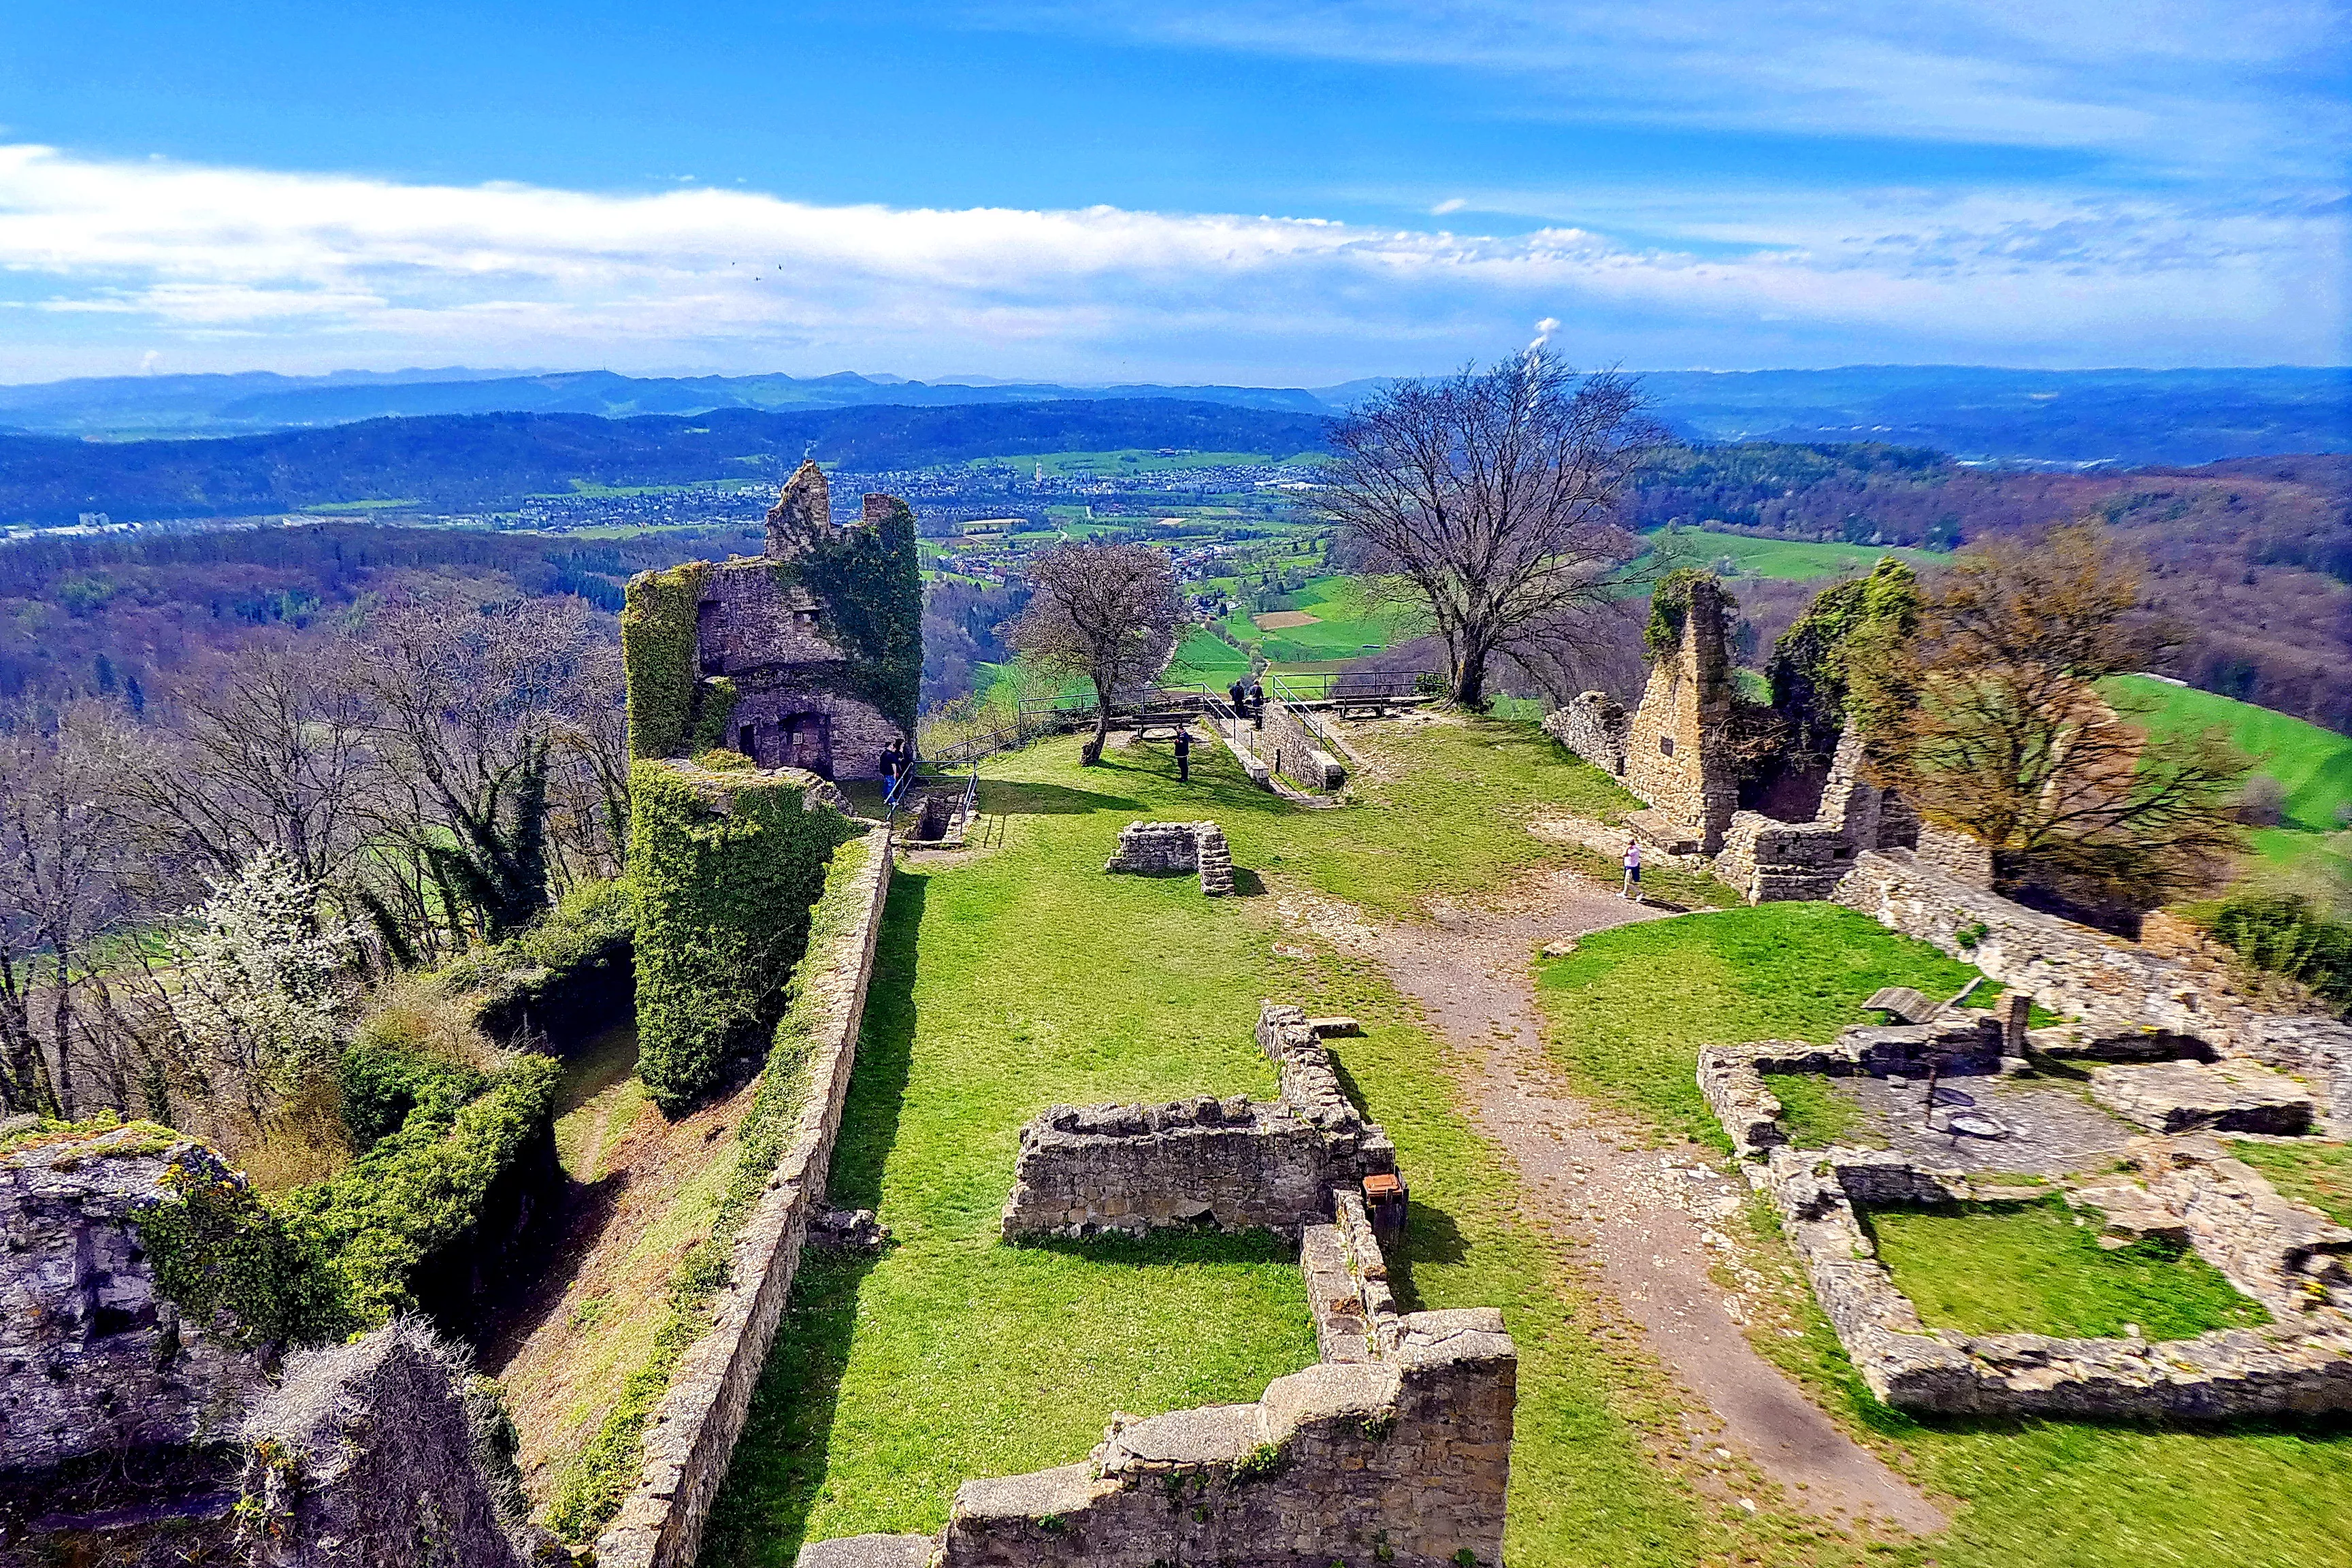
[1248, 884]
[1010, 799]
[778, 1472]
[1160, 1249]
[1430, 1236]
[780, 1464]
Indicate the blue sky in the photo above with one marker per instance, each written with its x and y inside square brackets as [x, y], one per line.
[1291, 193]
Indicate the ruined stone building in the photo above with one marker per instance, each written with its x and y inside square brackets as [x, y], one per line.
[1775, 827]
[808, 656]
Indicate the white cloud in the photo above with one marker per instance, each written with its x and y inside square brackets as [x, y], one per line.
[102, 262]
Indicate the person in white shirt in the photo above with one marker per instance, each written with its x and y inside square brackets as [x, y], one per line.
[1633, 888]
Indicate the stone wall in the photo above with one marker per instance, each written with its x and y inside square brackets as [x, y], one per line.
[2300, 1363]
[1595, 727]
[1673, 758]
[793, 706]
[1239, 1163]
[1403, 1459]
[692, 1433]
[93, 1356]
[1173, 849]
[383, 1452]
[1296, 751]
[2113, 987]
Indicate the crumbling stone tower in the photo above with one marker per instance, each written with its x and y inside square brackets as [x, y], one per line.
[809, 655]
[1676, 754]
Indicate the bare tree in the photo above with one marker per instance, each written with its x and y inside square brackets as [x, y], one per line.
[1106, 612]
[278, 754]
[1490, 497]
[1989, 720]
[471, 701]
[62, 855]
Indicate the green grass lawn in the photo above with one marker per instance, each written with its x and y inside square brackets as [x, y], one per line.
[2038, 1269]
[1024, 976]
[1816, 1116]
[2314, 764]
[2309, 1171]
[1629, 1007]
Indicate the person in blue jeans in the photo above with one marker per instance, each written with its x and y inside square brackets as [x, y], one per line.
[1633, 888]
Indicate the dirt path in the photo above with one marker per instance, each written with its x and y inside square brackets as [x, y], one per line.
[1648, 1220]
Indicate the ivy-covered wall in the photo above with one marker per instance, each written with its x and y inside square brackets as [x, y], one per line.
[658, 653]
[868, 585]
[566, 975]
[727, 864]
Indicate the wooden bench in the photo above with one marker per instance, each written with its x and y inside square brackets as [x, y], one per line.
[1162, 726]
[1360, 707]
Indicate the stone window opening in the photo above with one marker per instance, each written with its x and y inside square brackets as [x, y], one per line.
[707, 616]
[747, 739]
[1666, 745]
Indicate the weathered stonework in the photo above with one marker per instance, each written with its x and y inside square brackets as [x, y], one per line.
[1296, 751]
[2291, 1259]
[1594, 726]
[1238, 1164]
[1173, 849]
[692, 1433]
[1403, 1459]
[810, 650]
[93, 1356]
[2115, 991]
[380, 1454]
[2194, 1096]
[1674, 755]
[1768, 859]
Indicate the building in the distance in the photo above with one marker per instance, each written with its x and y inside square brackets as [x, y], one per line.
[809, 655]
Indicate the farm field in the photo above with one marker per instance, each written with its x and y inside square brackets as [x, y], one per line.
[2314, 764]
[1022, 977]
[1789, 559]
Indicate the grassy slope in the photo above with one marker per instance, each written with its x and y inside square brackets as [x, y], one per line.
[2038, 1269]
[1629, 1007]
[2308, 1170]
[2312, 764]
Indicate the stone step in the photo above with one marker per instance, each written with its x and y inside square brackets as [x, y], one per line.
[867, 1551]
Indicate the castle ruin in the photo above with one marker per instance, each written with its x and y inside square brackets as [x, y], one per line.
[808, 656]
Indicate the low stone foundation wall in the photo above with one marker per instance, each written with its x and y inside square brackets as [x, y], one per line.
[2301, 1363]
[692, 1433]
[1770, 861]
[1594, 726]
[2112, 986]
[1173, 849]
[1402, 1460]
[1239, 1164]
[2291, 1259]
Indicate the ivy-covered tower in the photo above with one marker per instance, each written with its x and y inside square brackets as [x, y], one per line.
[809, 655]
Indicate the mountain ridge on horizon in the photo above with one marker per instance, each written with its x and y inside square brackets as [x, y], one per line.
[2122, 415]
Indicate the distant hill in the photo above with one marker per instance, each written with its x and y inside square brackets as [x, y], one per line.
[2061, 418]
[477, 460]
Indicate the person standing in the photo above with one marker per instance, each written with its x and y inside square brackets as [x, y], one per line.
[1184, 755]
[1633, 888]
[1258, 705]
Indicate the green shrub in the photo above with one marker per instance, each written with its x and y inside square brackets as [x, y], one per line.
[384, 1080]
[220, 1248]
[1808, 667]
[726, 868]
[570, 967]
[402, 1225]
[2287, 934]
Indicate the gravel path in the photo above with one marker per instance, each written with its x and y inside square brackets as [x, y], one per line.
[1649, 1220]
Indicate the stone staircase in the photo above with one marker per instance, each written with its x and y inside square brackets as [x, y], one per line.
[1216, 860]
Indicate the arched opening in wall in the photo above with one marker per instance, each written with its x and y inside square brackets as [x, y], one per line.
[747, 741]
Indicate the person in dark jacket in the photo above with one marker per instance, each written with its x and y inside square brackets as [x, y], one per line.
[1184, 755]
[1257, 704]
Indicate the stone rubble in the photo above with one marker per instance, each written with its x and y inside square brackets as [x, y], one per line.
[2194, 1096]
